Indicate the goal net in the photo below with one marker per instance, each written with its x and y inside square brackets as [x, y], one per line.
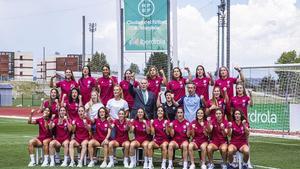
[275, 93]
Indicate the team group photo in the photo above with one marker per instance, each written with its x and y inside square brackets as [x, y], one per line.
[150, 84]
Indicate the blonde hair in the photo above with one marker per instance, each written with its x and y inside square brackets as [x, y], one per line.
[121, 91]
[148, 72]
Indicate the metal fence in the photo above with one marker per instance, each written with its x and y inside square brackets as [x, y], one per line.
[23, 100]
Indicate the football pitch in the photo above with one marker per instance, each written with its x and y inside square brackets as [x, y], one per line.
[271, 153]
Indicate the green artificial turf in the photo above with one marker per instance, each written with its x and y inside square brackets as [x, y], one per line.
[267, 152]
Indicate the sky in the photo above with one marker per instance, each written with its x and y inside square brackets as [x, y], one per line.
[260, 29]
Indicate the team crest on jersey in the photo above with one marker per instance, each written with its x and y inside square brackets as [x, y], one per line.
[181, 85]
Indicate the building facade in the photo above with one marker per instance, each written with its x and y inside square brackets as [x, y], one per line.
[56, 63]
[16, 66]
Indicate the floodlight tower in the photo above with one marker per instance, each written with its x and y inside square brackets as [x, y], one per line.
[92, 29]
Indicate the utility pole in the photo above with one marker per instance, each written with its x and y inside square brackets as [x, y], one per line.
[92, 29]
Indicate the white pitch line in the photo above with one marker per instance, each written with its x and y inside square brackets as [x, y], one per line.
[284, 144]
[261, 166]
[14, 117]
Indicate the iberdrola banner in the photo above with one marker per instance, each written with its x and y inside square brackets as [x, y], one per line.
[145, 25]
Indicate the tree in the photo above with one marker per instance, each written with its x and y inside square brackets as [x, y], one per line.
[287, 77]
[135, 68]
[160, 60]
[98, 60]
[288, 57]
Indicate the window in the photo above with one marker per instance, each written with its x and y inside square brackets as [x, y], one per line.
[21, 73]
[21, 57]
[21, 65]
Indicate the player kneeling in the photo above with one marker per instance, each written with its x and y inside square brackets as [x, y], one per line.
[62, 128]
[239, 132]
[100, 137]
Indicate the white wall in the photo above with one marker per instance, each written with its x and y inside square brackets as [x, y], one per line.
[294, 117]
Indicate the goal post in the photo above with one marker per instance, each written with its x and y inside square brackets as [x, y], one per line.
[274, 90]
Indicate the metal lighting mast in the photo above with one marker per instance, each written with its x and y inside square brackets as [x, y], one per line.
[83, 41]
[223, 22]
[92, 29]
[228, 36]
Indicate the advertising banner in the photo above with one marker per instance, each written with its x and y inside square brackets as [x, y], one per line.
[269, 116]
[145, 25]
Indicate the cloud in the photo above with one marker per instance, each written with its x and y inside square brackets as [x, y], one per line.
[260, 32]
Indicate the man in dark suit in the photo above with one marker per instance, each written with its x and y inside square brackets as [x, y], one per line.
[142, 99]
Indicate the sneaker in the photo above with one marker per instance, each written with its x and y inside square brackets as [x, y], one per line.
[103, 165]
[223, 166]
[145, 165]
[192, 166]
[126, 165]
[72, 164]
[163, 166]
[31, 164]
[79, 164]
[203, 166]
[64, 164]
[52, 164]
[170, 167]
[132, 165]
[91, 164]
[110, 164]
[210, 166]
[151, 166]
[45, 163]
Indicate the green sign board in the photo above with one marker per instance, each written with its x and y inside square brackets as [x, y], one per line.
[146, 25]
[269, 116]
